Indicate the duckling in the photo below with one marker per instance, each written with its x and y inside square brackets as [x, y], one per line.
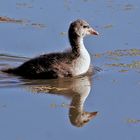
[58, 65]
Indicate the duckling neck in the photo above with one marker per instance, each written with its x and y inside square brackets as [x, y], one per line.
[79, 54]
[76, 43]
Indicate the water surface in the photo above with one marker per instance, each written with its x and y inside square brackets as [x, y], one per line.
[100, 106]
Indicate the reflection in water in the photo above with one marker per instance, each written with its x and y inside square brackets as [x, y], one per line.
[77, 89]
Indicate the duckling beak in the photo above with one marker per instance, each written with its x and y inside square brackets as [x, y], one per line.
[93, 32]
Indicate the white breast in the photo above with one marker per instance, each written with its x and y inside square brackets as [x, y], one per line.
[82, 63]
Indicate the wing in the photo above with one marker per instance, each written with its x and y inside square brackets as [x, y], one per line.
[45, 66]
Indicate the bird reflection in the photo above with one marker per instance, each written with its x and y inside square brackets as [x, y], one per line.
[77, 89]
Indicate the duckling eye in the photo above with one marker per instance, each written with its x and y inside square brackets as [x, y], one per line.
[85, 26]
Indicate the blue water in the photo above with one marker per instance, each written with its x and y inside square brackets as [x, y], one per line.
[33, 110]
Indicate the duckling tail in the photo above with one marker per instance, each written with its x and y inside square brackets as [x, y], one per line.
[9, 70]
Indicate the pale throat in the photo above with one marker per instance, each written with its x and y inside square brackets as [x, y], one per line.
[82, 50]
[82, 63]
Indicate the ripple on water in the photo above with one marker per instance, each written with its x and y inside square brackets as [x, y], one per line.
[115, 59]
